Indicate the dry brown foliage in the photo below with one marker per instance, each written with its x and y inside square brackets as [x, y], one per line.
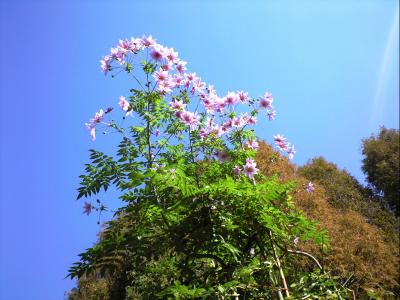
[357, 249]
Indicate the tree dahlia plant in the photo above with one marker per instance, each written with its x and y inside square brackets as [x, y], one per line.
[200, 221]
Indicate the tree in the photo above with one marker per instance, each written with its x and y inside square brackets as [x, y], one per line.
[381, 165]
[364, 237]
[200, 221]
[344, 192]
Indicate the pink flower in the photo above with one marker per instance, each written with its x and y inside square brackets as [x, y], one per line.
[243, 96]
[266, 101]
[296, 241]
[181, 66]
[98, 117]
[282, 146]
[178, 113]
[222, 155]
[199, 85]
[171, 55]
[167, 67]
[208, 104]
[204, 133]
[244, 118]
[280, 142]
[125, 105]
[135, 45]
[118, 54]
[114, 52]
[177, 80]
[268, 95]
[249, 169]
[124, 44]
[191, 77]
[165, 86]
[105, 64]
[147, 41]
[231, 98]
[190, 119]
[238, 122]
[161, 75]
[218, 104]
[227, 125]
[291, 152]
[87, 208]
[253, 145]
[271, 115]
[252, 120]
[237, 170]
[93, 133]
[310, 187]
[186, 83]
[177, 105]
[157, 53]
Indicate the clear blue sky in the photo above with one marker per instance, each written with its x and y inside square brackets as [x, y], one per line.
[332, 66]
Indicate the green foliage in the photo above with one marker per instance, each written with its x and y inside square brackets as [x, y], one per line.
[192, 231]
[381, 165]
[315, 285]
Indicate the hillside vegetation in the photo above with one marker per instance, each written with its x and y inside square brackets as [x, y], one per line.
[363, 235]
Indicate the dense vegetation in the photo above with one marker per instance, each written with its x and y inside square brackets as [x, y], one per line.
[381, 164]
[364, 235]
[210, 213]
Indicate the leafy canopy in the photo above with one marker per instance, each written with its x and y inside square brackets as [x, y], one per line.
[381, 165]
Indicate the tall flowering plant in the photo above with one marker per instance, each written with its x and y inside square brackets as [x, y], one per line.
[200, 221]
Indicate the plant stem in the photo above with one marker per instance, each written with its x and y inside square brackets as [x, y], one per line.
[278, 263]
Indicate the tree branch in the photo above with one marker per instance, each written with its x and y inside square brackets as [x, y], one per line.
[307, 255]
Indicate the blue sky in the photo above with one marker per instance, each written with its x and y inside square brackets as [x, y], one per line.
[332, 67]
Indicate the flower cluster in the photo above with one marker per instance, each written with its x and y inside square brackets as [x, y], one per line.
[97, 119]
[188, 118]
[171, 69]
[214, 116]
[284, 146]
[266, 103]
